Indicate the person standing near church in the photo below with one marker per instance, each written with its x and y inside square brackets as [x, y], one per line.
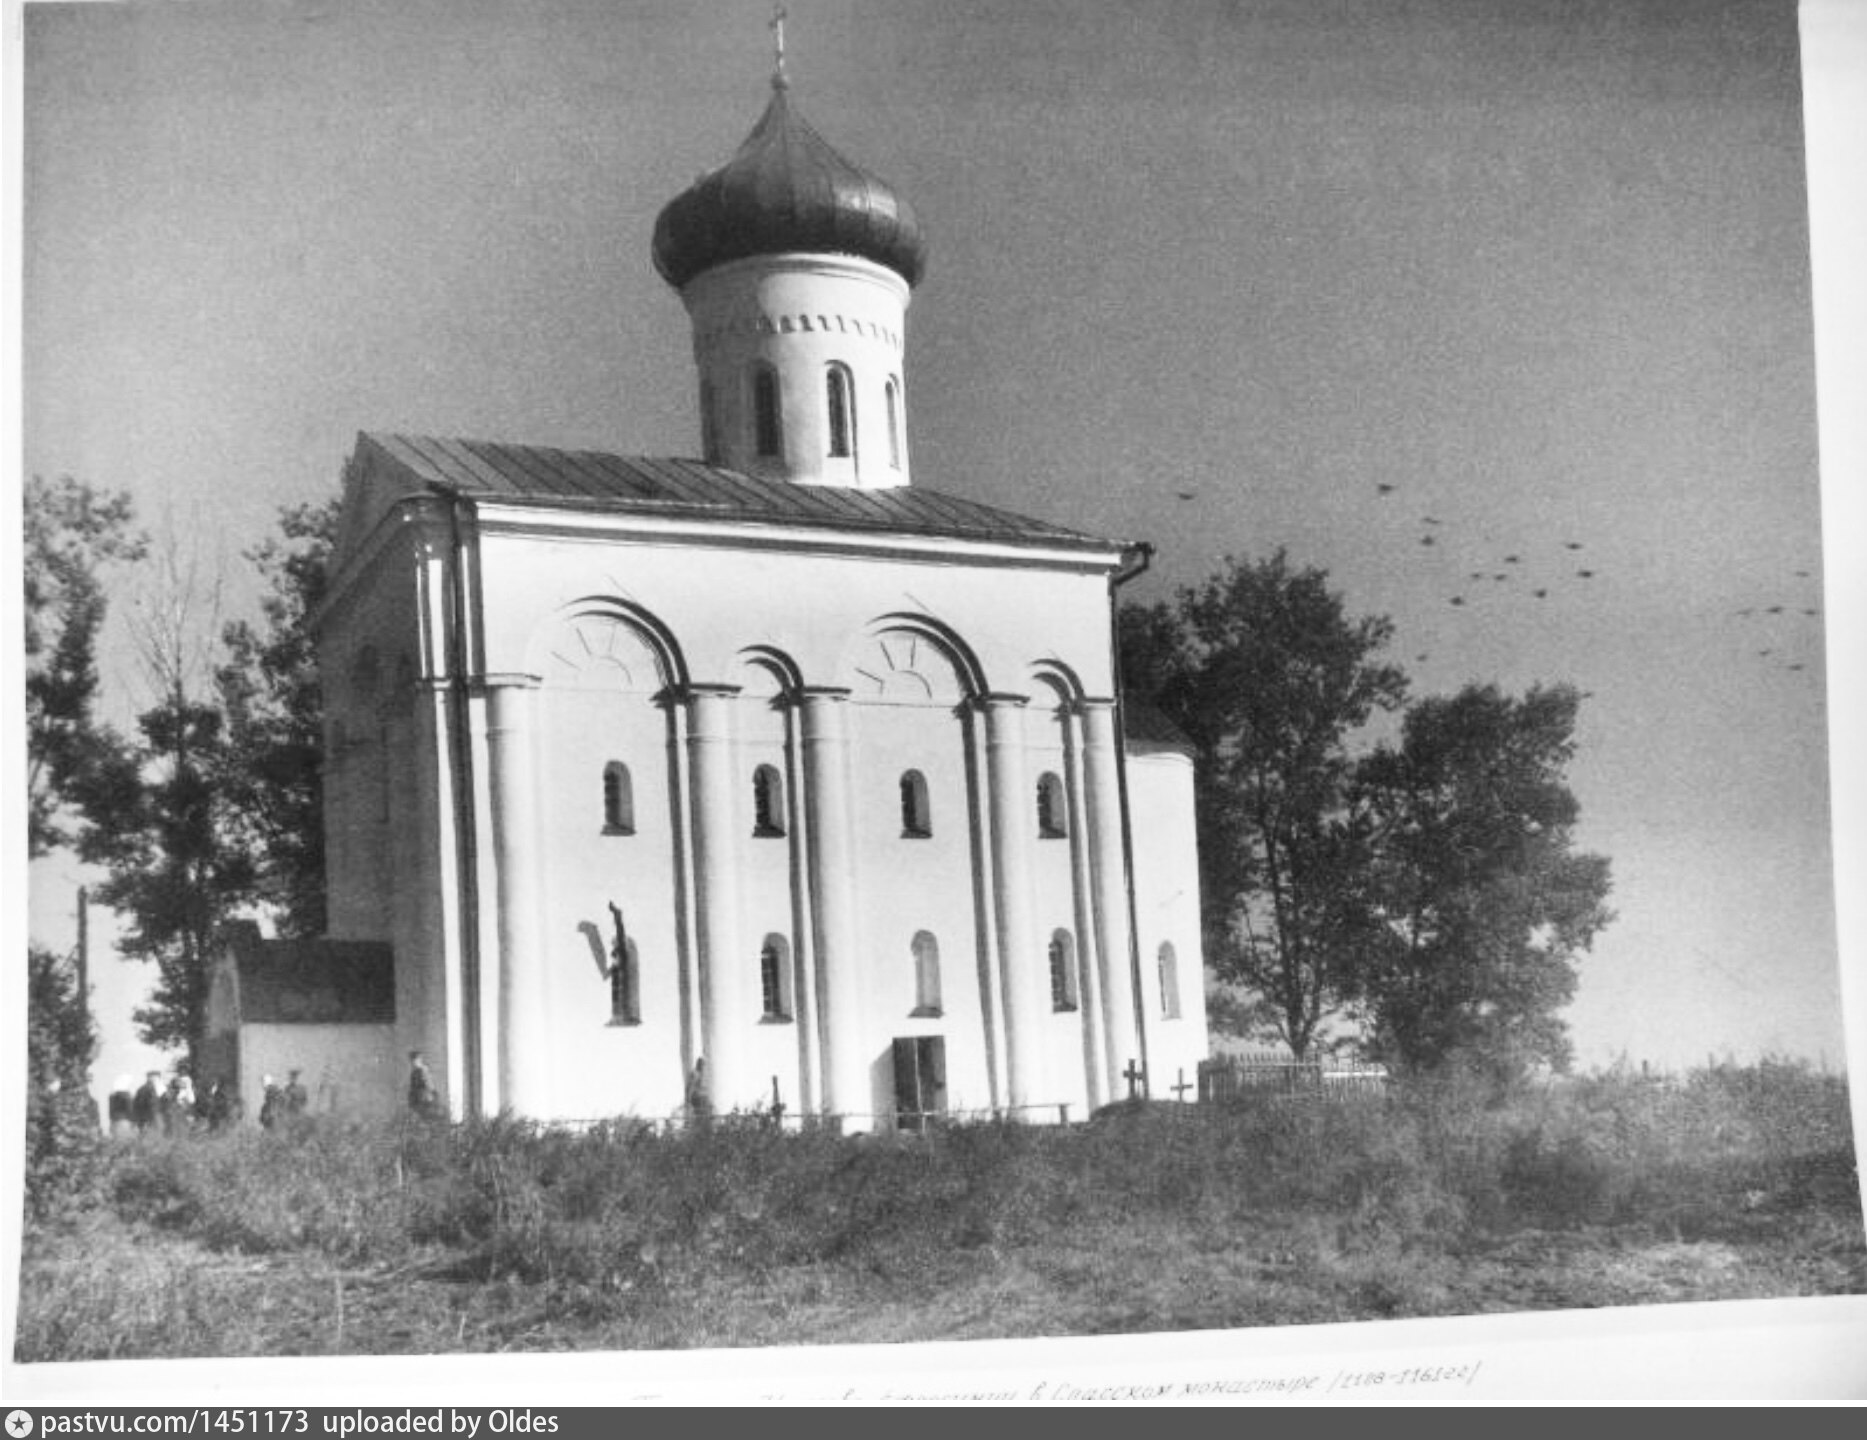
[297, 1099]
[423, 1099]
[699, 1098]
[147, 1100]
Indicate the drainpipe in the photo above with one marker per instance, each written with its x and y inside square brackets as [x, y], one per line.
[466, 819]
[1144, 550]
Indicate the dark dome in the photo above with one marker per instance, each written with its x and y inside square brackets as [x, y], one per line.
[786, 190]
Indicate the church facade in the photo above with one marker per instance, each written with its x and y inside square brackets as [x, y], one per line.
[767, 775]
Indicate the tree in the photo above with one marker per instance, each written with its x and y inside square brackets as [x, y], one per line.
[1483, 901]
[158, 816]
[270, 690]
[1269, 677]
[73, 533]
[61, 1119]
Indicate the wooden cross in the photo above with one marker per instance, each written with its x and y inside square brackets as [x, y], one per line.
[1179, 1091]
[1134, 1075]
[777, 1104]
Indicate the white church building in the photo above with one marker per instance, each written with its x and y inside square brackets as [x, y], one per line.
[769, 759]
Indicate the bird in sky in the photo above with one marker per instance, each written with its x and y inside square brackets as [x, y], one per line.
[1426, 539]
[1802, 574]
[1511, 560]
[1476, 575]
[1586, 574]
[1774, 610]
[1428, 520]
[1500, 576]
[1572, 544]
[1540, 594]
[1458, 599]
[1384, 489]
[1811, 612]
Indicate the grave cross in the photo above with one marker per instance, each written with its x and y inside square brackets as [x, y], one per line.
[1134, 1075]
[1179, 1091]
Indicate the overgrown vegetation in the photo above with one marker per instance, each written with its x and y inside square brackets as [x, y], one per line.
[1436, 1198]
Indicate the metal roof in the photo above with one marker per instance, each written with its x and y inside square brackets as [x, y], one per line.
[588, 480]
[786, 189]
[315, 982]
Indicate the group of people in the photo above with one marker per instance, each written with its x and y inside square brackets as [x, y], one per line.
[283, 1105]
[171, 1109]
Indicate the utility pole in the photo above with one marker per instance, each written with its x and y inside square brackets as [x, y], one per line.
[84, 949]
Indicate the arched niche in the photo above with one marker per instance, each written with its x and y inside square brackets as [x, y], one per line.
[597, 645]
[911, 660]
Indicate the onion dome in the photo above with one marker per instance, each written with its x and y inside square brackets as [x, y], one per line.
[785, 190]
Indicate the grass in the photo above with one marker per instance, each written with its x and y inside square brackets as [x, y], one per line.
[1737, 1182]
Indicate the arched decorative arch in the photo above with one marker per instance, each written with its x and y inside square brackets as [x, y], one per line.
[858, 670]
[1060, 684]
[599, 635]
[782, 674]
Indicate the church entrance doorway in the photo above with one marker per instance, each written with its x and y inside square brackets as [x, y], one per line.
[920, 1080]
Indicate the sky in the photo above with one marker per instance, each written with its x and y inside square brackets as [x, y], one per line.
[1353, 275]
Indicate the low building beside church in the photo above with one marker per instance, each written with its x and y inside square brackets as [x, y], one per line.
[768, 758]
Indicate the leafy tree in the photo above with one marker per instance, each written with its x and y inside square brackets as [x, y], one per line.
[274, 707]
[61, 1119]
[158, 817]
[1483, 901]
[1269, 677]
[73, 533]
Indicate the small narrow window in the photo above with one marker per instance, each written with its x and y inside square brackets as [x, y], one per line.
[1062, 971]
[774, 978]
[767, 801]
[926, 974]
[1169, 982]
[618, 800]
[625, 987]
[893, 391]
[1050, 824]
[916, 821]
[768, 435]
[842, 412]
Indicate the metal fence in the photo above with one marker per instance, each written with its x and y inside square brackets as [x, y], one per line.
[1239, 1077]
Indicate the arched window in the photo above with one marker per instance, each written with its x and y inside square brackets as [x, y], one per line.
[618, 800]
[893, 392]
[926, 974]
[767, 801]
[774, 978]
[625, 987]
[1169, 982]
[1050, 823]
[768, 434]
[916, 819]
[842, 411]
[1062, 971]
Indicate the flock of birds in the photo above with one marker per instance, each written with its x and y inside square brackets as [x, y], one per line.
[1537, 578]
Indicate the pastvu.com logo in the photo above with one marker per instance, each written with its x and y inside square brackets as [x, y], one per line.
[18, 1424]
